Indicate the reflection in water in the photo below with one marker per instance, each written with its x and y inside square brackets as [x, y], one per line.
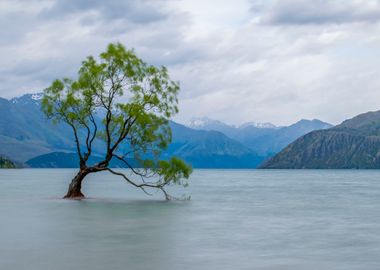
[235, 220]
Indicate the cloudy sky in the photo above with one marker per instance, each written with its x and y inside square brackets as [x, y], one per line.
[237, 60]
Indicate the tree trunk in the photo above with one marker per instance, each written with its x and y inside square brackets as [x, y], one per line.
[74, 191]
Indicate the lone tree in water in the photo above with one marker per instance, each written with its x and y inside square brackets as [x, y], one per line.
[125, 105]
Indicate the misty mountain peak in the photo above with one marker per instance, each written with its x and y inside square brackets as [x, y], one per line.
[206, 123]
[211, 124]
[258, 125]
[27, 99]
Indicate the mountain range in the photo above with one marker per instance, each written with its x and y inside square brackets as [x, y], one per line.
[354, 144]
[26, 136]
[265, 139]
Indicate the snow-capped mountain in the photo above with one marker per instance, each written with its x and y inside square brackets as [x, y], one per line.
[263, 138]
[28, 99]
[211, 124]
[205, 123]
[258, 125]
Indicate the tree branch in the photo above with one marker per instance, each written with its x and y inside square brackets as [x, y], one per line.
[159, 186]
[142, 175]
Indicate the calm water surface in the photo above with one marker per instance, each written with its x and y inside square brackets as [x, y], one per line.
[236, 219]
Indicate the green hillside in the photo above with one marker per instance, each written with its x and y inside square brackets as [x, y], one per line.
[354, 144]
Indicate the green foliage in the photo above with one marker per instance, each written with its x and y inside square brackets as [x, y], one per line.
[6, 163]
[174, 170]
[134, 101]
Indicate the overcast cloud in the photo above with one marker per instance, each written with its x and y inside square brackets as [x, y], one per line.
[237, 60]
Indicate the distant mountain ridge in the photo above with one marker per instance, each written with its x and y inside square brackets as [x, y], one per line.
[258, 125]
[211, 124]
[354, 144]
[25, 132]
[27, 136]
[265, 139]
[210, 149]
[202, 149]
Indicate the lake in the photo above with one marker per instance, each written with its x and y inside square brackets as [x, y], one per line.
[236, 219]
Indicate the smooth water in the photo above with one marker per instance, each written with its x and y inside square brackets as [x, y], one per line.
[236, 219]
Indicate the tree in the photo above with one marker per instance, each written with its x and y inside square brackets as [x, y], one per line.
[6, 163]
[125, 105]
